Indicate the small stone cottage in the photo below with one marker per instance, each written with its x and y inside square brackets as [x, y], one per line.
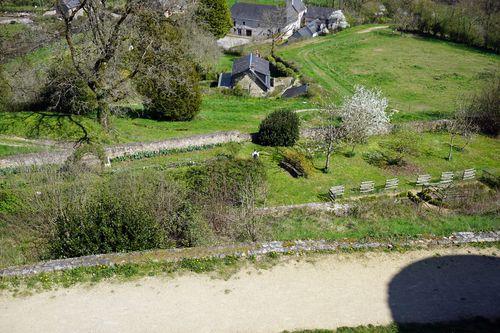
[250, 73]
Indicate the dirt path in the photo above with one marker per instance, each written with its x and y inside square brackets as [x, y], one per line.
[333, 290]
[373, 29]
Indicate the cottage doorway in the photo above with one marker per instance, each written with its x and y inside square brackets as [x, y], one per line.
[249, 33]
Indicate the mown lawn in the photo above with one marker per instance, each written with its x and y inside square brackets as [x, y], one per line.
[218, 113]
[423, 78]
[283, 189]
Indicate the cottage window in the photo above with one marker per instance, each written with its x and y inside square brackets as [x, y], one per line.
[249, 32]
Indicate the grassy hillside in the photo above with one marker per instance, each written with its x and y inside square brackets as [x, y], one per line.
[218, 113]
[349, 171]
[423, 78]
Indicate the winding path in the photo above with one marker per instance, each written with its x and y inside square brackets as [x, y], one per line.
[327, 292]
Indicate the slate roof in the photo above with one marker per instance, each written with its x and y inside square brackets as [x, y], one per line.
[250, 11]
[298, 5]
[67, 5]
[253, 12]
[226, 80]
[295, 91]
[322, 13]
[253, 62]
[307, 31]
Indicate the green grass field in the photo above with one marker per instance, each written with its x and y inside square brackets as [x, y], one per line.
[416, 75]
[218, 113]
[422, 78]
[283, 189]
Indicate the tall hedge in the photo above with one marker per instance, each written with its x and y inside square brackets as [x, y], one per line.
[216, 14]
[279, 129]
[4, 91]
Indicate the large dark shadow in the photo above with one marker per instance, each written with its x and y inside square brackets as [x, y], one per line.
[444, 289]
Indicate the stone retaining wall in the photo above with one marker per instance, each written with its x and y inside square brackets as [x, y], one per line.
[35, 159]
[176, 143]
[239, 250]
[59, 157]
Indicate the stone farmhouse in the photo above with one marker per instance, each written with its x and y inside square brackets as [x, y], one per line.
[294, 19]
[250, 73]
[255, 21]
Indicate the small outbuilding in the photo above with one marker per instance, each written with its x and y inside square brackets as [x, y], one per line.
[296, 91]
[250, 73]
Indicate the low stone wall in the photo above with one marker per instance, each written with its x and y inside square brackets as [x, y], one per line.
[240, 250]
[35, 159]
[329, 207]
[176, 143]
[59, 157]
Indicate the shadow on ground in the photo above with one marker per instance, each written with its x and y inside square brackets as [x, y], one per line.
[444, 289]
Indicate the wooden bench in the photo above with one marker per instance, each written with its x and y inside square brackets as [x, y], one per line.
[391, 184]
[446, 178]
[337, 191]
[424, 180]
[367, 187]
[469, 174]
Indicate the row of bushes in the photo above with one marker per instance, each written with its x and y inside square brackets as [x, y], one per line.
[472, 22]
[79, 212]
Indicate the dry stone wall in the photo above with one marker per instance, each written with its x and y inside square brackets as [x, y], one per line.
[59, 157]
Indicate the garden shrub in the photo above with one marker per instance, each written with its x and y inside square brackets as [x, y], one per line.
[4, 91]
[279, 129]
[172, 101]
[66, 91]
[223, 186]
[298, 161]
[490, 179]
[226, 178]
[134, 213]
[279, 68]
[381, 158]
[216, 15]
[108, 221]
[484, 109]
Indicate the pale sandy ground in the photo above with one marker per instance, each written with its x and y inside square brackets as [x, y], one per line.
[326, 292]
[373, 29]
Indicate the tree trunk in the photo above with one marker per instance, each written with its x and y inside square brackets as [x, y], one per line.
[103, 114]
[451, 147]
[328, 156]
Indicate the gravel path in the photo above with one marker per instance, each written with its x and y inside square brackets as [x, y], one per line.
[330, 291]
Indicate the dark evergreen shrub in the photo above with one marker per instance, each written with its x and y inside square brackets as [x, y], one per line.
[279, 129]
[216, 15]
[66, 91]
[175, 100]
[4, 91]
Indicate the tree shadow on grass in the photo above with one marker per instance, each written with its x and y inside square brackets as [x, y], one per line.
[446, 289]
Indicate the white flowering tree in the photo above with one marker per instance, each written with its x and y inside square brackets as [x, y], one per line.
[364, 115]
[339, 21]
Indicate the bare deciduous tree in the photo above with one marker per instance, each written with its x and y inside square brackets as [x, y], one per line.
[329, 136]
[276, 21]
[462, 124]
[101, 53]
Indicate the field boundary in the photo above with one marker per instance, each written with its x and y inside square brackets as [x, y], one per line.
[124, 150]
[241, 250]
